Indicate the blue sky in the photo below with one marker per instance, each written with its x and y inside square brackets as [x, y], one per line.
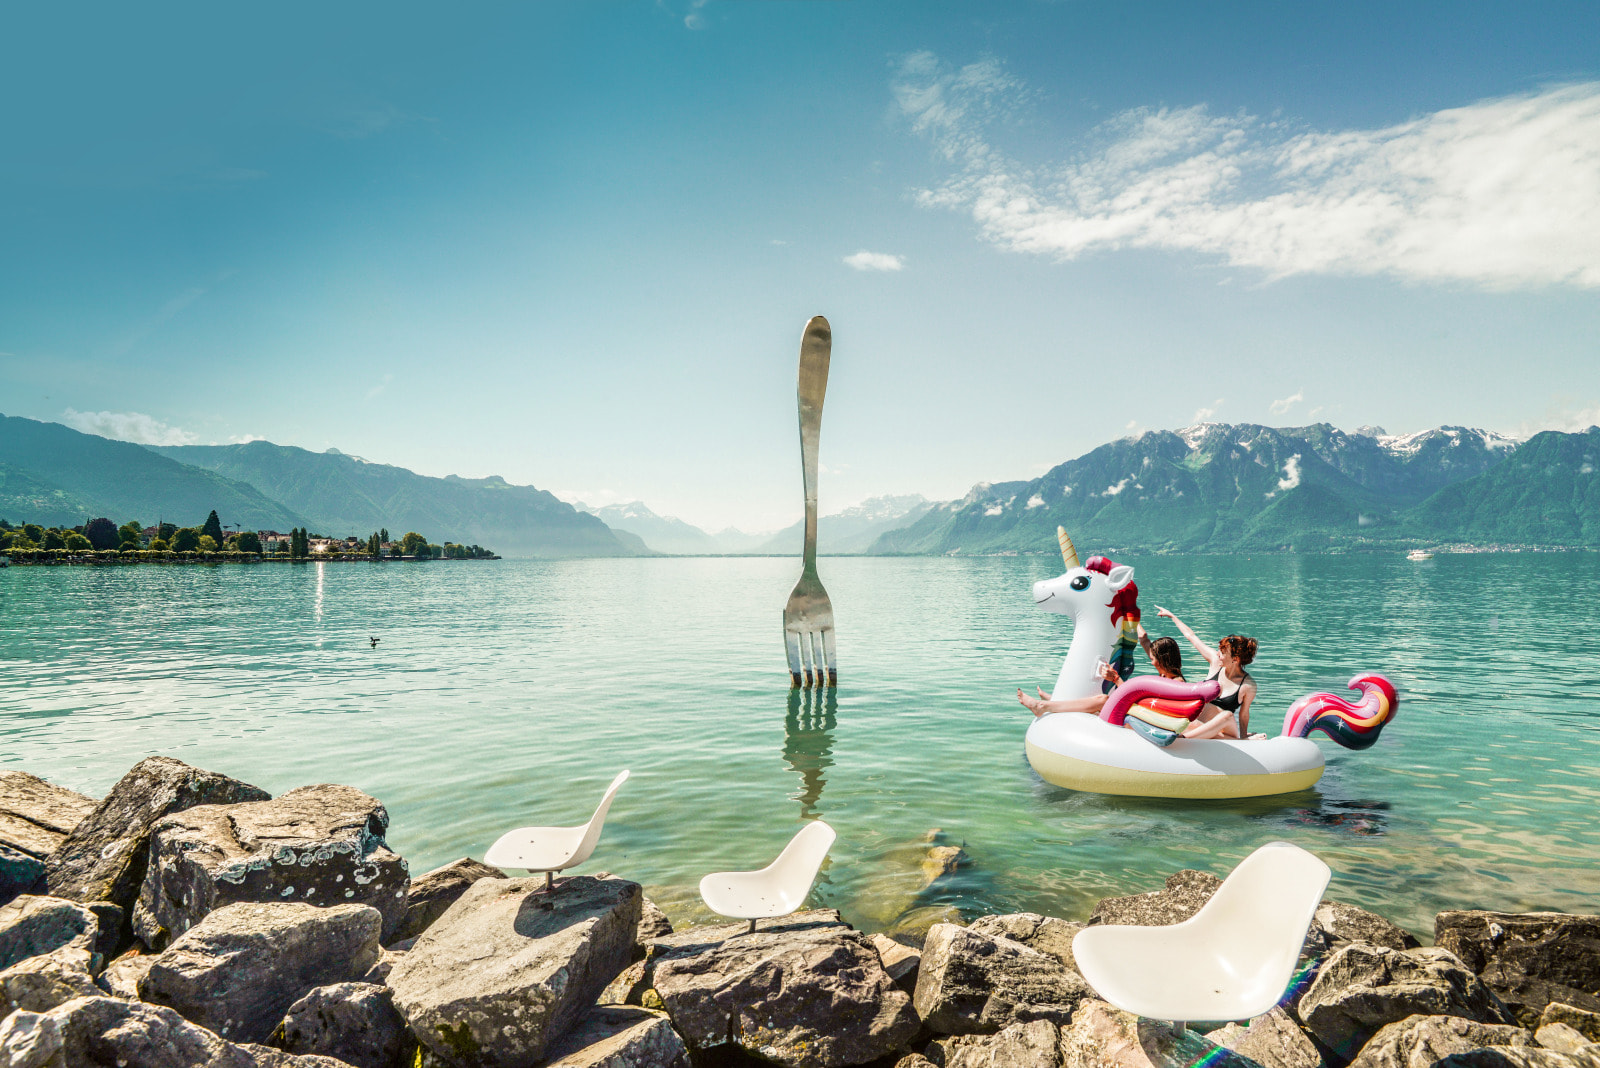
[574, 244]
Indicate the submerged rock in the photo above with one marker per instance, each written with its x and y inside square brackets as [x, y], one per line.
[104, 857]
[970, 982]
[433, 892]
[321, 845]
[510, 968]
[1363, 988]
[1529, 959]
[238, 970]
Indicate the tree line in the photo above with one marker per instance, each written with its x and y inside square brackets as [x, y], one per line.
[101, 535]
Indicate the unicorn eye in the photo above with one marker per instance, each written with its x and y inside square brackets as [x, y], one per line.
[1080, 583]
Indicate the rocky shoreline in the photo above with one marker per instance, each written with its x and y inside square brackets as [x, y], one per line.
[190, 919]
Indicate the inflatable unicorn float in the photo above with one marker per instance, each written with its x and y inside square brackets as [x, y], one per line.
[1100, 755]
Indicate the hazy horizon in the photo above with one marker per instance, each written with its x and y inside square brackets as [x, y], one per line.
[574, 245]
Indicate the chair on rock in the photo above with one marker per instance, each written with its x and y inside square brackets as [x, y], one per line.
[552, 849]
[1232, 960]
[776, 890]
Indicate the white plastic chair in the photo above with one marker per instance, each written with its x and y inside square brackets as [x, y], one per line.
[776, 890]
[1232, 960]
[552, 849]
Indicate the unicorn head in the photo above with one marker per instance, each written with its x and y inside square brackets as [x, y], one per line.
[1087, 596]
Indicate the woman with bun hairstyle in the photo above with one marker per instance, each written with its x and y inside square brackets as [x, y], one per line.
[1229, 715]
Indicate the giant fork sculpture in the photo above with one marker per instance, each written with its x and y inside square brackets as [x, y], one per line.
[808, 617]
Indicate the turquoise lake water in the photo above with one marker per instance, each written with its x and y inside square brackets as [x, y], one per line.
[508, 693]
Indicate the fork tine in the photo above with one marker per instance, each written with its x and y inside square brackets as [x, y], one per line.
[828, 653]
[791, 642]
[805, 654]
[819, 654]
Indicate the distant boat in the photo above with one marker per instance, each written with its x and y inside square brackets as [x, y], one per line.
[1419, 554]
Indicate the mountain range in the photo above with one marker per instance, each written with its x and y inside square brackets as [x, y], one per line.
[1212, 487]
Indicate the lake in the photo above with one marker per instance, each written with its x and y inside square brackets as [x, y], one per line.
[504, 694]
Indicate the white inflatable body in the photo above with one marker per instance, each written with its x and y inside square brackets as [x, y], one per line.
[1083, 752]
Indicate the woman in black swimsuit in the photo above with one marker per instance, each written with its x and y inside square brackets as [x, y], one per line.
[1229, 715]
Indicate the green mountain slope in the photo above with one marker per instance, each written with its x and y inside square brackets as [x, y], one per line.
[342, 494]
[123, 481]
[1546, 493]
[25, 499]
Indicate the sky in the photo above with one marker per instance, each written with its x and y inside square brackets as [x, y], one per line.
[575, 244]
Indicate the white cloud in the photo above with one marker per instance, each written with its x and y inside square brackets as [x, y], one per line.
[1116, 487]
[875, 261]
[1279, 407]
[127, 426]
[1036, 501]
[994, 509]
[1202, 415]
[694, 20]
[1563, 417]
[381, 385]
[1501, 193]
[1291, 475]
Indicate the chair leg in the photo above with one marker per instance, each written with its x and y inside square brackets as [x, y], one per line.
[549, 881]
[1180, 1026]
[752, 928]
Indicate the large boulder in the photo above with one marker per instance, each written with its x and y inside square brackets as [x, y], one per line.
[356, 1023]
[322, 845]
[1529, 959]
[510, 967]
[1184, 894]
[1583, 1021]
[1103, 1037]
[1046, 934]
[1362, 988]
[970, 982]
[113, 1033]
[36, 816]
[104, 857]
[433, 892]
[1347, 923]
[620, 1036]
[1035, 1044]
[122, 976]
[799, 993]
[34, 924]
[19, 874]
[1272, 1040]
[1419, 1041]
[39, 984]
[1516, 1057]
[239, 970]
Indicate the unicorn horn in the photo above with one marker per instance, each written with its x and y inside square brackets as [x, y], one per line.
[1068, 553]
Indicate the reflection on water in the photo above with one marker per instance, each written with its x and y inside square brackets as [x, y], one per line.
[1347, 817]
[808, 743]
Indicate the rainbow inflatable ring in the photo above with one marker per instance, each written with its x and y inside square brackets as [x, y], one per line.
[1100, 754]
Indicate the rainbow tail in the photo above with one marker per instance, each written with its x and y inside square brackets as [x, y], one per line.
[1354, 726]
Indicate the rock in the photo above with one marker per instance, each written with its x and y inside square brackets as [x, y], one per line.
[1418, 1041]
[128, 1034]
[627, 988]
[811, 994]
[1561, 1037]
[653, 923]
[898, 960]
[122, 976]
[1103, 1037]
[104, 857]
[510, 968]
[238, 970]
[1529, 959]
[356, 1023]
[942, 860]
[32, 925]
[322, 845]
[1362, 988]
[1035, 1044]
[1581, 1020]
[1347, 923]
[1186, 891]
[39, 984]
[1515, 1057]
[914, 1060]
[912, 927]
[433, 892]
[1046, 934]
[19, 874]
[617, 1036]
[36, 816]
[388, 957]
[970, 982]
[1272, 1040]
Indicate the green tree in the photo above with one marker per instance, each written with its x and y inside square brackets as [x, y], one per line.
[186, 540]
[374, 546]
[102, 533]
[34, 532]
[383, 534]
[157, 545]
[212, 527]
[208, 544]
[130, 531]
[165, 531]
[53, 540]
[413, 544]
[76, 542]
[249, 541]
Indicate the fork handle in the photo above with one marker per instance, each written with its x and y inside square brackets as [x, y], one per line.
[816, 350]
